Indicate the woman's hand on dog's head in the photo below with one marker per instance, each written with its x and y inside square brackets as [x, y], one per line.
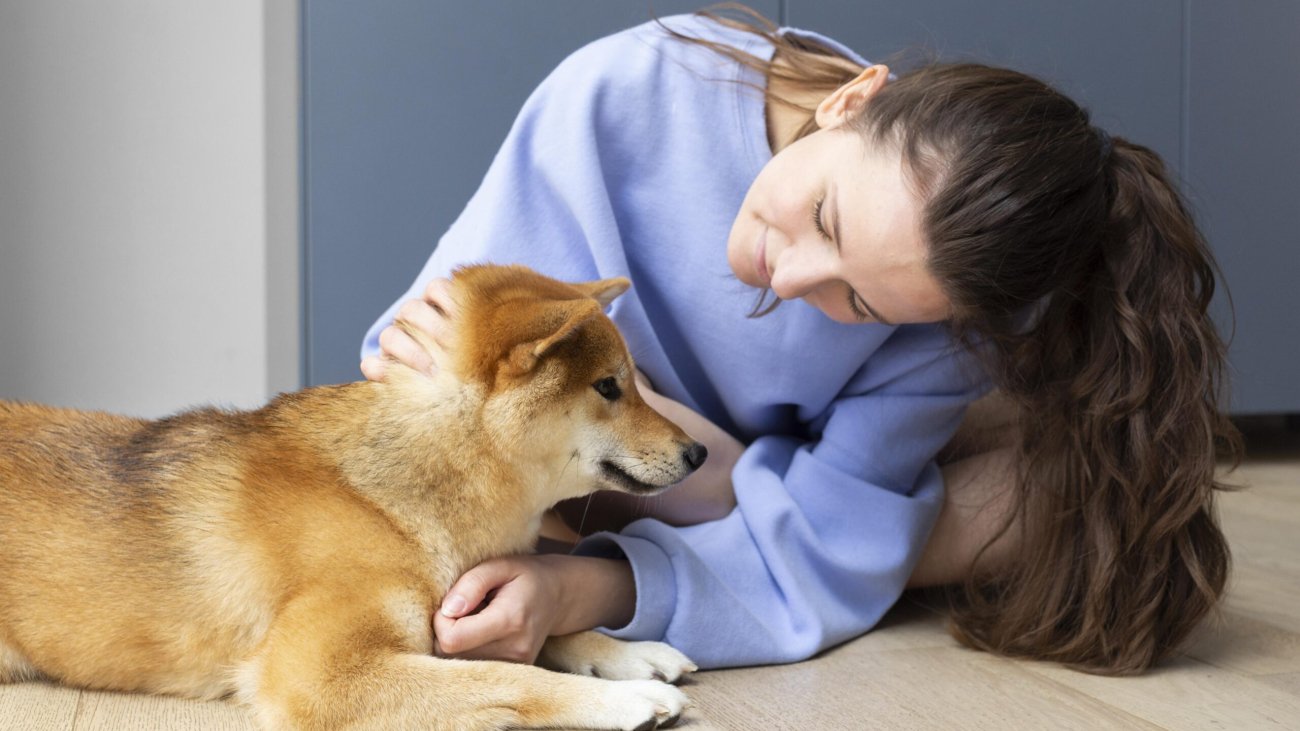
[431, 316]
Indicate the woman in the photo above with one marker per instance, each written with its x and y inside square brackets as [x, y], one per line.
[927, 237]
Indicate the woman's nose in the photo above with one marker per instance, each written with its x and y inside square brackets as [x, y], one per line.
[799, 270]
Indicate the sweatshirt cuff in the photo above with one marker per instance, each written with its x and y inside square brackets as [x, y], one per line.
[656, 589]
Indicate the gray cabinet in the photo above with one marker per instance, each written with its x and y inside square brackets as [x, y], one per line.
[1242, 150]
[405, 103]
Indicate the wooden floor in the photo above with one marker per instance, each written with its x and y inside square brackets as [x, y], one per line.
[1241, 673]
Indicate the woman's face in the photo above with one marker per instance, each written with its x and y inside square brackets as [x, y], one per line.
[831, 220]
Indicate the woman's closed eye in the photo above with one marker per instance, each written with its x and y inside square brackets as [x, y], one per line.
[856, 308]
[817, 218]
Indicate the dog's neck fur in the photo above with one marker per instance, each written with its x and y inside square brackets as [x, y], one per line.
[429, 463]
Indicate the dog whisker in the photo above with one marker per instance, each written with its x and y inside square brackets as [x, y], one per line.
[574, 455]
[583, 522]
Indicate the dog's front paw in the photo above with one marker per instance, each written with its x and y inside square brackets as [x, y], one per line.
[594, 654]
[642, 705]
[640, 661]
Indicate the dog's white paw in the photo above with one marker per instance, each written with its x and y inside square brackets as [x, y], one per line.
[639, 661]
[641, 705]
[596, 655]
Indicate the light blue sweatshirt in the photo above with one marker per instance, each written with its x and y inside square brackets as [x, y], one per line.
[632, 159]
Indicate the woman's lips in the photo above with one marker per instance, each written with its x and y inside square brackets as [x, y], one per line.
[760, 259]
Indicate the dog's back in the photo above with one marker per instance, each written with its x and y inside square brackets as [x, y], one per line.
[137, 555]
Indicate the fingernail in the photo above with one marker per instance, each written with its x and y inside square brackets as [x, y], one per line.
[453, 605]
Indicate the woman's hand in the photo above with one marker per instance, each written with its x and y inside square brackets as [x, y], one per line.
[431, 318]
[522, 603]
[530, 598]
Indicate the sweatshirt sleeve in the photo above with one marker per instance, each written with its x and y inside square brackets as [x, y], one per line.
[826, 531]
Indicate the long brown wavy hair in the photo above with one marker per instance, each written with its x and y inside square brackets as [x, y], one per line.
[1076, 272]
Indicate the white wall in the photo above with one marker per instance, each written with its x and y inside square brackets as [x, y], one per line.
[148, 202]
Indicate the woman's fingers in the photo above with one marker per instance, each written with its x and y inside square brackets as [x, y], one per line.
[422, 338]
[422, 316]
[500, 623]
[374, 368]
[474, 585]
[396, 344]
[438, 294]
[489, 635]
[503, 629]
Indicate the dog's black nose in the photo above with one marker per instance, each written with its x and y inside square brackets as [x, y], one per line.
[695, 455]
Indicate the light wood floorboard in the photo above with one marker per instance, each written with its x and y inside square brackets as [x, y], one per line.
[1239, 672]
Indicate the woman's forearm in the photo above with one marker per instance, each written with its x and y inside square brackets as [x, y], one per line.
[979, 494]
[597, 592]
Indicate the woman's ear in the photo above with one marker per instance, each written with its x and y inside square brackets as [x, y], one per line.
[848, 100]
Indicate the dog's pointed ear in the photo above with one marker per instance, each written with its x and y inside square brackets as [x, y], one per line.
[570, 316]
[604, 290]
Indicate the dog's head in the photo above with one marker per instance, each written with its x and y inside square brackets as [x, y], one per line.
[557, 383]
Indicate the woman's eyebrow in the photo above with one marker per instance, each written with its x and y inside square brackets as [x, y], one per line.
[834, 198]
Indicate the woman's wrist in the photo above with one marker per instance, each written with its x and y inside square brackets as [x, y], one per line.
[594, 592]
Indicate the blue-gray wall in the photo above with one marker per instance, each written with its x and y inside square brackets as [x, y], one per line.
[405, 103]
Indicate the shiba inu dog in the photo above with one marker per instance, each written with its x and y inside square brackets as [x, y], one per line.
[293, 556]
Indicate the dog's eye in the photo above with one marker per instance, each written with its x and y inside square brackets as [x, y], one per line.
[608, 388]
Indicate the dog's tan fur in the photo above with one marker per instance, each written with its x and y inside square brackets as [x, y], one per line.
[293, 556]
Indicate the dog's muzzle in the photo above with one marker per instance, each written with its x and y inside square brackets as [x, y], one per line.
[692, 456]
